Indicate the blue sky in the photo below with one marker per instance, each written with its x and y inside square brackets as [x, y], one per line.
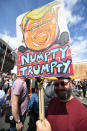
[76, 15]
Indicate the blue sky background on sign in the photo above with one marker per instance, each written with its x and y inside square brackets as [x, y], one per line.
[76, 13]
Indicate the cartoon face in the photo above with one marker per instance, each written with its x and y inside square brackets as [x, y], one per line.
[41, 33]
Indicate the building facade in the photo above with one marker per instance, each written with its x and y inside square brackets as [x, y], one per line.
[7, 59]
[80, 69]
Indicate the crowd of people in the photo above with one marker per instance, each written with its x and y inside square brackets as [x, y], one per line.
[80, 87]
[63, 111]
[5, 90]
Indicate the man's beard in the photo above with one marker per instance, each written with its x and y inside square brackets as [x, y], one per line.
[63, 95]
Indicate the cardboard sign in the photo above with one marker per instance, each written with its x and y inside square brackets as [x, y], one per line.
[43, 37]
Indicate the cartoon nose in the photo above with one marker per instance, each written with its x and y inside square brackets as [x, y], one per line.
[42, 37]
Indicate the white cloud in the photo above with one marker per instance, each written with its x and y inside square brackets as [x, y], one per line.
[69, 6]
[70, 3]
[79, 44]
[12, 41]
[84, 25]
[78, 49]
[6, 32]
[72, 19]
[78, 38]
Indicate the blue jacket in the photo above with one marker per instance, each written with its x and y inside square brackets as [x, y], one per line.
[33, 102]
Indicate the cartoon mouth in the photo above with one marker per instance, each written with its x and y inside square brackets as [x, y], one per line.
[41, 38]
[35, 44]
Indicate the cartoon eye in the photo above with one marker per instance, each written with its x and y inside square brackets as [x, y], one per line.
[33, 26]
[46, 21]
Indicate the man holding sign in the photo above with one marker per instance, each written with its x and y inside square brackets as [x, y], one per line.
[44, 51]
[65, 113]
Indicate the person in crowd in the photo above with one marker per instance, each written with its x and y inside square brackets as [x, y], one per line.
[33, 100]
[64, 113]
[0, 74]
[33, 109]
[48, 94]
[10, 83]
[2, 102]
[19, 102]
[14, 78]
[2, 81]
[84, 86]
[80, 89]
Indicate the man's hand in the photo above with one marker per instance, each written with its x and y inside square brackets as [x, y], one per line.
[43, 125]
[19, 126]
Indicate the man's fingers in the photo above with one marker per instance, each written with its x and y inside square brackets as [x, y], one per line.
[47, 123]
[43, 125]
[38, 122]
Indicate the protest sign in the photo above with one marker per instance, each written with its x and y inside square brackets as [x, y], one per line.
[44, 46]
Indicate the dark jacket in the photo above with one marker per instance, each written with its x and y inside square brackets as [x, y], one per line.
[48, 95]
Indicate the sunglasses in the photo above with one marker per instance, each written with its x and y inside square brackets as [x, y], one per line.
[62, 83]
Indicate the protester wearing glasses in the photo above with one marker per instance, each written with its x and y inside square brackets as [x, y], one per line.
[65, 113]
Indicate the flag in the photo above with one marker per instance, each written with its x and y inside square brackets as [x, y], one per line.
[14, 51]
